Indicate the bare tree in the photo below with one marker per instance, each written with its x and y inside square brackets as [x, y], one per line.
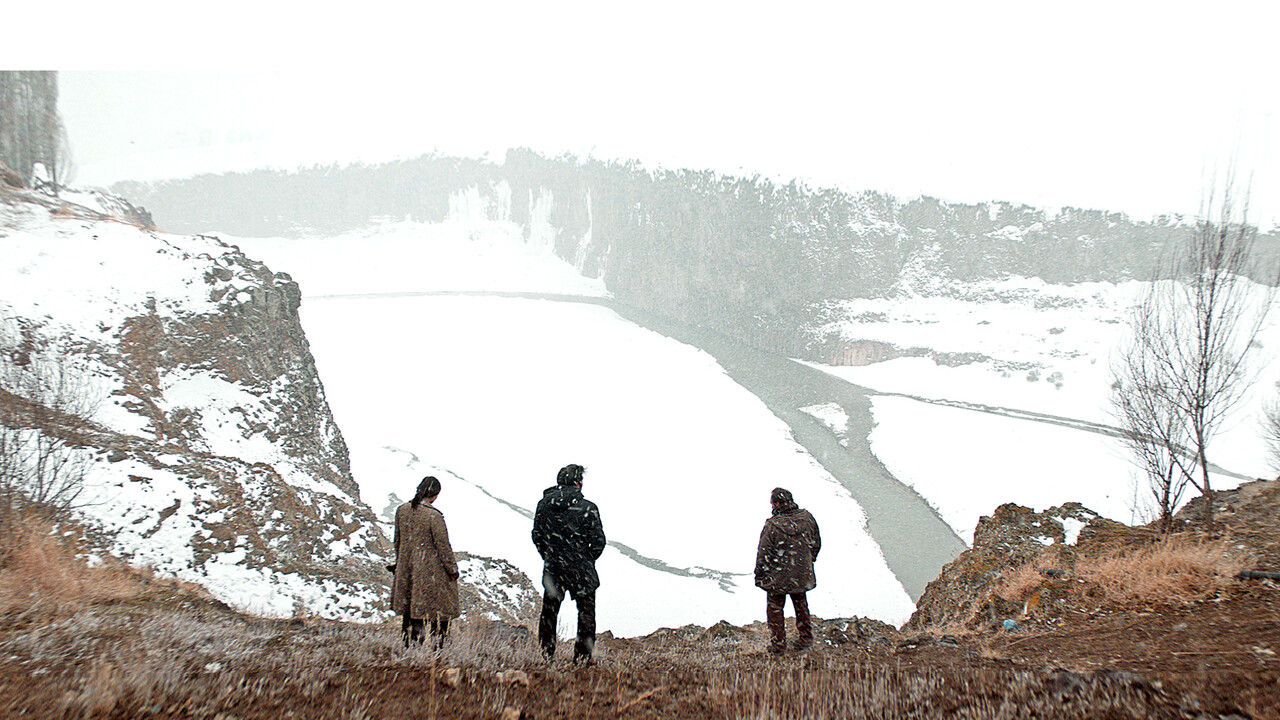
[1271, 432]
[1152, 433]
[46, 405]
[1188, 364]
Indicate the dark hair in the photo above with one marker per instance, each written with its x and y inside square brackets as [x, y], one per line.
[428, 488]
[570, 475]
[782, 500]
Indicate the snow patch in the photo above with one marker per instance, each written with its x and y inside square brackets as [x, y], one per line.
[1071, 528]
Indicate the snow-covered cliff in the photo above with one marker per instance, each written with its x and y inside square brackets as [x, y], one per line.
[210, 453]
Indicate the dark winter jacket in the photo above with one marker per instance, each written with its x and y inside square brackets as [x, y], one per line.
[789, 543]
[570, 537]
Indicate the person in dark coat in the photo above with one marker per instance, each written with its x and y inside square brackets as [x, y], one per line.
[426, 572]
[570, 538]
[789, 543]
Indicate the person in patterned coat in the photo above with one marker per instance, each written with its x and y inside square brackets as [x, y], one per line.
[789, 543]
[425, 588]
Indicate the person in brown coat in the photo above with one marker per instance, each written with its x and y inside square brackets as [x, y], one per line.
[426, 582]
[789, 543]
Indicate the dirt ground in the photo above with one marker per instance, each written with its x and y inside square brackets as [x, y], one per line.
[125, 645]
[170, 655]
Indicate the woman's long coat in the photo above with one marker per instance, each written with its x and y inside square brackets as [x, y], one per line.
[426, 584]
[789, 543]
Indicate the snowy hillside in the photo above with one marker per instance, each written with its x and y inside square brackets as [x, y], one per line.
[212, 455]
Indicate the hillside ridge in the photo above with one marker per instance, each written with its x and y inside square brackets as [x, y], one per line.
[1208, 652]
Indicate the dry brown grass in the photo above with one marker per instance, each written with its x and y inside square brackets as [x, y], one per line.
[1179, 569]
[39, 566]
[1017, 584]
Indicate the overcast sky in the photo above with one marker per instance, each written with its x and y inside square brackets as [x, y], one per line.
[1122, 106]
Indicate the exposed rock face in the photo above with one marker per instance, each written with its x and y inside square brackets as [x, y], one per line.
[1013, 535]
[254, 341]
[497, 590]
[856, 630]
[214, 456]
[1249, 515]
[1052, 568]
[317, 529]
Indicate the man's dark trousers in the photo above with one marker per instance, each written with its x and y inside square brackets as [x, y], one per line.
[552, 596]
[777, 624]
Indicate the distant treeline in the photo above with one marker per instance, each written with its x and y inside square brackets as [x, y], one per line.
[744, 255]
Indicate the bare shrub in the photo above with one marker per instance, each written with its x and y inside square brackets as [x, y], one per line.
[47, 406]
[1176, 570]
[1153, 433]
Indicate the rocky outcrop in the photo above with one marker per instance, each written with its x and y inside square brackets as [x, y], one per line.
[964, 593]
[254, 341]
[497, 590]
[1066, 564]
[85, 205]
[1247, 515]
